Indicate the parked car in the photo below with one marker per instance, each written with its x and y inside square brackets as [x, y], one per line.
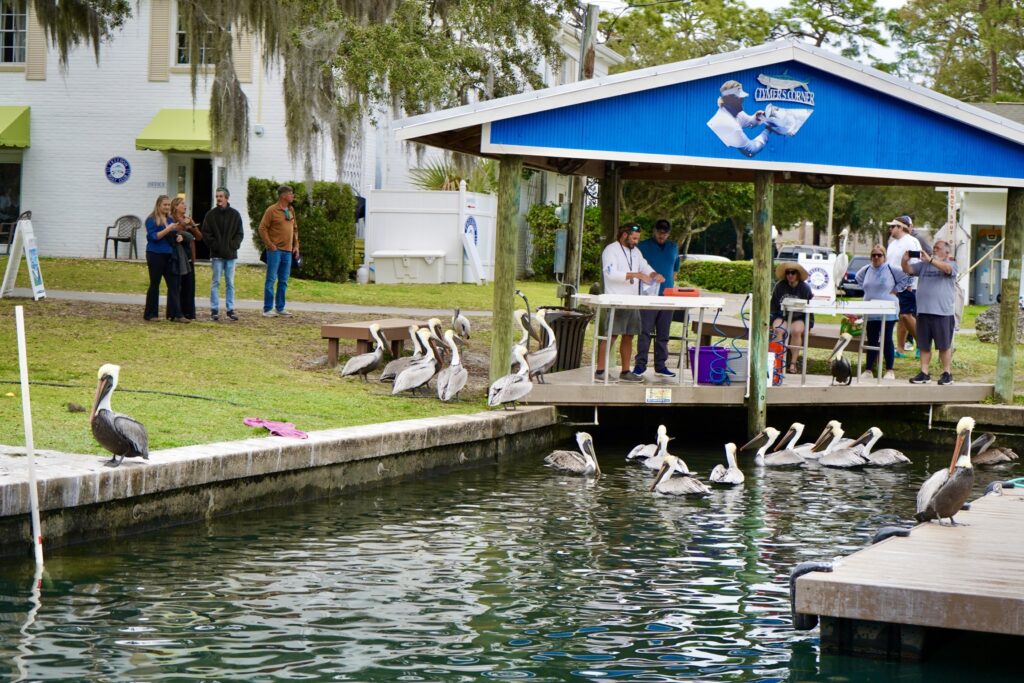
[704, 257]
[849, 284]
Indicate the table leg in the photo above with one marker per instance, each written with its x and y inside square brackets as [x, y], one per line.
[696, 352]
[332, 353]
[362, 346]
[608, 344]
[593, 347]
[396, 348]
[807, 343]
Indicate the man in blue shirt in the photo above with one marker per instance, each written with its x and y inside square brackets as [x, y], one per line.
[663, 255]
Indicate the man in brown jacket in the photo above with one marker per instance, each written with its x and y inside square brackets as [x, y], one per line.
[280, 234]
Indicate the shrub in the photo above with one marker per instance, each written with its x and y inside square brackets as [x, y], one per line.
[735, 277]
[327, 226]
[543, 224]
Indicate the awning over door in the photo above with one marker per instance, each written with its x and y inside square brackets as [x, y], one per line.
[14, 126]
[177, 130]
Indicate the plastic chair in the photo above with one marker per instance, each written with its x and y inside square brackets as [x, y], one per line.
[124, 229]
[7, 236]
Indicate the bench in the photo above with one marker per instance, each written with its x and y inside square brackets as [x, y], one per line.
[823, 335]
[395, 330]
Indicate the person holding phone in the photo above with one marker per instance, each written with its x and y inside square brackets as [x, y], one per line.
[902, 242]
[279, 230]
[935, 308]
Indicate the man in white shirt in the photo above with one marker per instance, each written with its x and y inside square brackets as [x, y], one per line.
[902, 242]
[730, 120]
[623, 268]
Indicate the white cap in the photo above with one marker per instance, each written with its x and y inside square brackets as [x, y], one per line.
[733, 88]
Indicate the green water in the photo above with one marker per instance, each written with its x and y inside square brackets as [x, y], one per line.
[502, 572]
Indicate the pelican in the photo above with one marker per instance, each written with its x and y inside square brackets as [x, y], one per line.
[780, 458]
[123, 436]
[686, 484]
[883, 457]
[460, 323]
[657, 460]
[583, 461]
[841, 371]
[842, 260]
[512, 387]
[366, 362]
[392, 369]
[852, 456]
[436, 340]
[647, 450]
[983, 453]
[730, 473]
[945, 492]
[419, 373]
[542, 359]
[453, 378]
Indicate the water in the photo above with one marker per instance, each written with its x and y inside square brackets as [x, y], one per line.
[498, 573]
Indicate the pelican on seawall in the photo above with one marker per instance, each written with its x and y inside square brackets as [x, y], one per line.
[946, 491]
[984, 454]
[842, 373]
[365, 363]
[729, 473]
[675, 479]
[543, 358]
[123, 436]
[643, 451]
[460, 324]
[392, 369]
[513, 387]
[583, 461]
[419, 372]
[453, 378]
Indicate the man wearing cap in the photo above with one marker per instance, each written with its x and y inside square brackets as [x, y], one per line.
[730, 120]
[663, 256]
[792, 283]
[900, 243]
[623, 268]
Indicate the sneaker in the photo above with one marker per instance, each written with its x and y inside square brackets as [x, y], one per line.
[270, 314]
[232, 315]
[627, 376]
[889, 374]
[664, 372]
[946, 379]
[214, 317]
[599, 374]
[907, 346]
[920, 378]
[899, 354]
[917, 354]
[284, 313]
[640, 370]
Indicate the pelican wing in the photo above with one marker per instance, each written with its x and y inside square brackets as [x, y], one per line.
[643, 451]
[886, 457]
[132, 431]
[654, 462]
[539, 361]
[994, 456]
[415, 376]
[930, 487]
[517, 387]
[725, 475]
[363, 363]
[844, 457]
[783, 458]
[451, 381]
[683, 486]
[570, 461]
[392, 369]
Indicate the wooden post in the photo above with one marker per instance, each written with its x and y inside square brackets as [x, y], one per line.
[760, 316]
[574, 239]
[1013, 233]
[610, 201]
[510, 169]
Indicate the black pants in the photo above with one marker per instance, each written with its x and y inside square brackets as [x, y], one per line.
[160, 267]
[188, 294]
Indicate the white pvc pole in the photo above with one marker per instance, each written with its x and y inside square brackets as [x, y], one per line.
[26, 410]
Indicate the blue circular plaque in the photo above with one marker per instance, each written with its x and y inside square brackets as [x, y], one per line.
[118, 170]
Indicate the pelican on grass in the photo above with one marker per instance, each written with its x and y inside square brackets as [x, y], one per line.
[946, 491]
[123, 436]
[543, 358]
[514, 386]
[419, 373]
[729, 473]
[583, 461]
[392, 369]
[984, 454]
[453, 378]
[647, 450]
[366, 362]
[675, 479]
[460, 324]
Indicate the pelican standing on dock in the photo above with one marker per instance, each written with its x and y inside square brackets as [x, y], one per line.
[123, 436]
[366, 362]
[512, 387]
[675, 479]
[453, 378]
[946, 491]
[419, 373]
[392, 369]
[984, 454]
[583, 461]
[460, 324]
[842, 373]
[543, 358]
[729, 473]
[647, 450]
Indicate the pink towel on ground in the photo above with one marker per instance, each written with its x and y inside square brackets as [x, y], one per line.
[276, 428]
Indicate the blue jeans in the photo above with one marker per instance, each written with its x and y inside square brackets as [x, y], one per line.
[660, 322]
[227, 267]
[279, 266]
[888, 351]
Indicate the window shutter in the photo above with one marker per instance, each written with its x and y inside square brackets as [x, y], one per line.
[242, 54]
[35, 48]
[160, 40]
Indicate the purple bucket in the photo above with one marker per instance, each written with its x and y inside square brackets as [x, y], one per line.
[713, 364]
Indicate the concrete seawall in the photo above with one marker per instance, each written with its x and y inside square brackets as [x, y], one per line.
[82, 500]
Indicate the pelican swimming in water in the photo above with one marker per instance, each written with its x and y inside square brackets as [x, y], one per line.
[644, 451]
[392, 369]
[366, 362]
[583, 461]
[729, 473]
[655, 461]
[883, 457]
[512, 387]
[675, 479]
[543, 358]
[123, 436]
[946, 491]
[853, 455]
[460, 324]
[764, 440]
[984, 454]
[420, 372]
[453, 378]
[841, 371]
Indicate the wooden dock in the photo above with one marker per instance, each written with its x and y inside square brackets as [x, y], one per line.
[886, 599]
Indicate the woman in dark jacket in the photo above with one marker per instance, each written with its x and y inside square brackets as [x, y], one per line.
[792, 284]
[186, 253]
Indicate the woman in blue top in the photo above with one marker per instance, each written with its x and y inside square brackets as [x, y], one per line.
[161, 234]
[881, 283]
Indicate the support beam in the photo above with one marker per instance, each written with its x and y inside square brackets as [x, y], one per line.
[760, 316]
[510, 170]
[1008, 307]
[574, 239]
[610, 193]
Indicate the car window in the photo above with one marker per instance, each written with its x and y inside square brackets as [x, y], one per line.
[858, 262]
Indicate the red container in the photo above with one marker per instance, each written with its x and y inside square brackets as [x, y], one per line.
[681, 291]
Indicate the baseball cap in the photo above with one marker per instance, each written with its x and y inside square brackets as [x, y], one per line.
[733, 88]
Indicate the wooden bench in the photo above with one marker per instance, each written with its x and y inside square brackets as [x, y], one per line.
[823, 335]
[395, 330]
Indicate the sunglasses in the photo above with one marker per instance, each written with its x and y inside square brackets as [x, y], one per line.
[634, 228]
[877, 255]
[792, 272]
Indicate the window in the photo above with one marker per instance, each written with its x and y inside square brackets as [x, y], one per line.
[13, 20]
[182, 45]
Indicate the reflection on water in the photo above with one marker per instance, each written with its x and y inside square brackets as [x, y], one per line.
[505, 572]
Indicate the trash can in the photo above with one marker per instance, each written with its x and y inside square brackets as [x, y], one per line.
[570, 328]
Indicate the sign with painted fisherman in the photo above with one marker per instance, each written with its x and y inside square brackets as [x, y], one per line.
[730, 121]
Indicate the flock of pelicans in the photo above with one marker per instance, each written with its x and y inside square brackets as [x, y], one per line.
[940, 497]
[436, 354]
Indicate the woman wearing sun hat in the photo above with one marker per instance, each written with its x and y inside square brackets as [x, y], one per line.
[792, 283]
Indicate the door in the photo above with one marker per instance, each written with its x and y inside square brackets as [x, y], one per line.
[201, 200]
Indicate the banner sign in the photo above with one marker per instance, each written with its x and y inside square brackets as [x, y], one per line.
[24, 243]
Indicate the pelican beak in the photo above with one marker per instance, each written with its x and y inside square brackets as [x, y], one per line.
[661, 473]
[837, 349]
[757, 442]
[863, 439]
[958, 450]
[102, 389]
[824, 439]
[588, 444]
[790, 433]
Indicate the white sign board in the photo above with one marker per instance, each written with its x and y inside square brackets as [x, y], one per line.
[24, 243]
[820, 275]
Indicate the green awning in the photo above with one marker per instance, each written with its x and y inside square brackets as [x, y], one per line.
[14, 128]
[177, 130]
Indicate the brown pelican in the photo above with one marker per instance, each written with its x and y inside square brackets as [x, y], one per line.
[420, 372]
[392, 369]
[647, 450]
[366, 362]
[780, 458]
[436, 340]
[685, 484]
[452, 379]
[984, 454]
[852, 456]
[841, 371]
[729, 473]
[543, 358]
[884, 457]
[512, 387]
[655, 461]
[945, 492]
[583, 461]
[461, 324]
[123, 436]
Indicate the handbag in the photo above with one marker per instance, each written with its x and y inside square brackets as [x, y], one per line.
[263, 255]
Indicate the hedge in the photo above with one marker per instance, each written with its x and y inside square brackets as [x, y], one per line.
[543, 224]
[735, 277]
[327, 225]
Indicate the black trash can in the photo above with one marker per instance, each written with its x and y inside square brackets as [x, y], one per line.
[570, 328]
